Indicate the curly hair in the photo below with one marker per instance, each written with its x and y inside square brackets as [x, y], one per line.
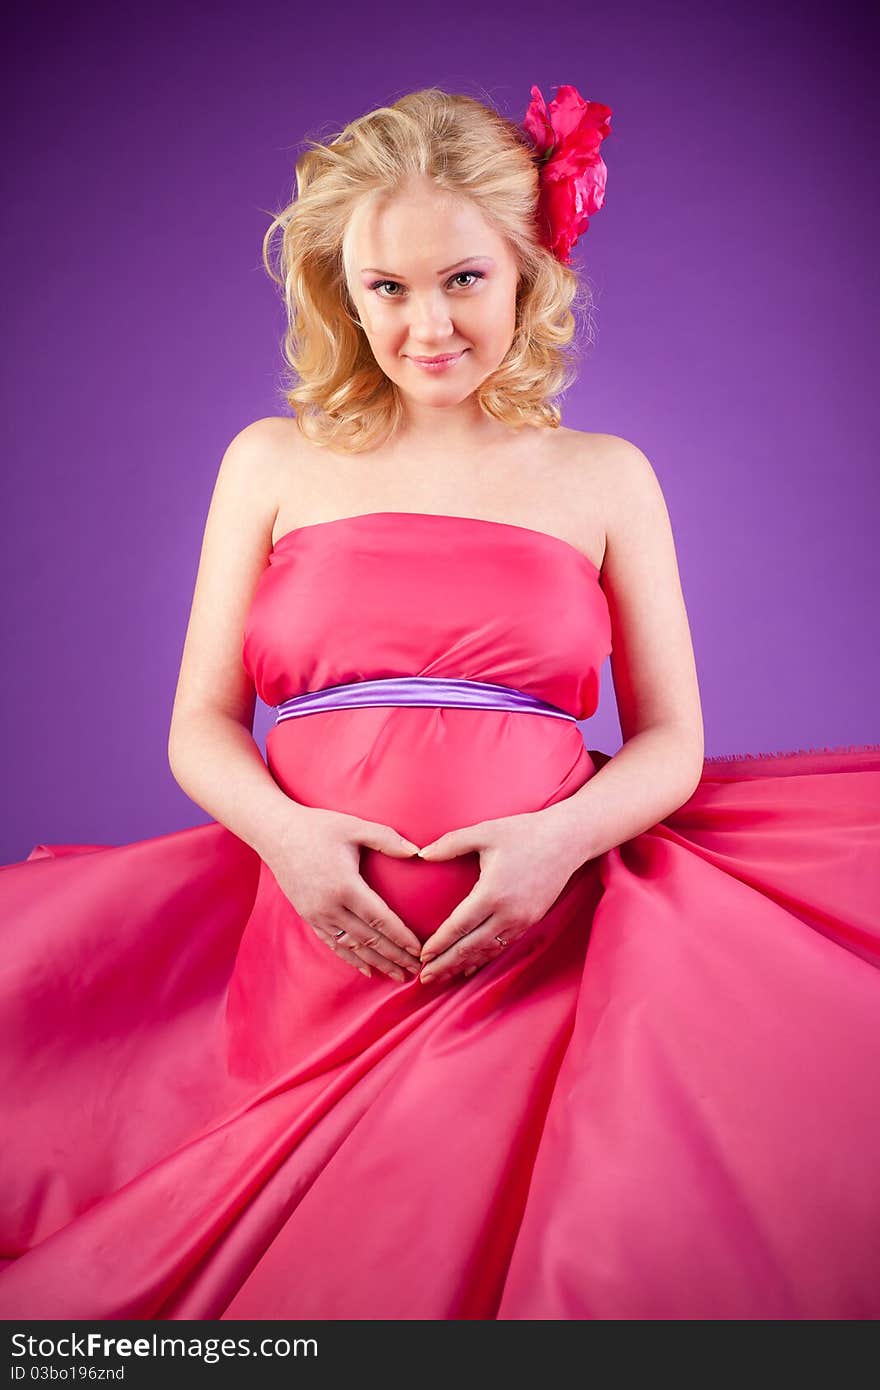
[339, 393]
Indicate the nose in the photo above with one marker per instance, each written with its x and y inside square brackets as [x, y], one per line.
[430, 323]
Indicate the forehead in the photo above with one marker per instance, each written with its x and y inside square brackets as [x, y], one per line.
[419, 228]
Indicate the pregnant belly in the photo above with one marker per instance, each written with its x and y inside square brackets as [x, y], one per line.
[425, 771]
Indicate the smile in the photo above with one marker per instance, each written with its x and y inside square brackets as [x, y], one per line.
[438, 364]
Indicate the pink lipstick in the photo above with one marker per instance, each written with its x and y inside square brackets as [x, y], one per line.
[438, 364]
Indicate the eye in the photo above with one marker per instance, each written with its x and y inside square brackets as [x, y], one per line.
[460, 275]
[380, 284]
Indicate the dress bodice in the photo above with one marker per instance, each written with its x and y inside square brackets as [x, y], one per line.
[397, 593]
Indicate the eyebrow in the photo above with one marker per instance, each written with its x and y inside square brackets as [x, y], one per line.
[391, 275]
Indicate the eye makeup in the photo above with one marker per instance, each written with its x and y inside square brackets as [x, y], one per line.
[376, 285]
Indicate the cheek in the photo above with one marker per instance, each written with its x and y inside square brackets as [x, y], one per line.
[384, 330]
[497, 316]
[499, 329]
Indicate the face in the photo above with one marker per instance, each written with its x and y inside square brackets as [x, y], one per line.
[430, 278]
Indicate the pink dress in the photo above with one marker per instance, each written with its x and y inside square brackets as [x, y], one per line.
[660, 1102]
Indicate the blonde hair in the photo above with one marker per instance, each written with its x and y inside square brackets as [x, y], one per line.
[339, 393]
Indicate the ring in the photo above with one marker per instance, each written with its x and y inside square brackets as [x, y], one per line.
[337, 934]
[501, 941]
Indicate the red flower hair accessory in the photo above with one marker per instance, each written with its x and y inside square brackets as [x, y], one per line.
[566, 136]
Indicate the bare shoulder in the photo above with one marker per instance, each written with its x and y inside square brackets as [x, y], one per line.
[253, 472]
[610, 457]
[258, 450]
[621, 455]
[653, 665]
[236, 540]
[603, 475]
[622, 480]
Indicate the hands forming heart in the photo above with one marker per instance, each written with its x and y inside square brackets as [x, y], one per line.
[524, 865]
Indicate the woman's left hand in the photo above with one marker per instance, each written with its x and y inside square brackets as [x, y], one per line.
[525, 862]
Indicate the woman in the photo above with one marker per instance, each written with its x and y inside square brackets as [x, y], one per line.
[443, 1015]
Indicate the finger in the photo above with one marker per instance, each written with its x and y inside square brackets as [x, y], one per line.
[326, 935]
[355, 954]
[377, 917]
[386, 839]
[472, 951]
[449, 846]
[475, 960]
[468, 916]
[375, 951]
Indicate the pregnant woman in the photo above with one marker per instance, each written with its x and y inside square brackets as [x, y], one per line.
[444, 1015]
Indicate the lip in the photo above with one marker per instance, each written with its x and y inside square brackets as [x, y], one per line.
[437, 364]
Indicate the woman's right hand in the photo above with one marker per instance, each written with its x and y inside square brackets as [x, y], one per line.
[317, 866]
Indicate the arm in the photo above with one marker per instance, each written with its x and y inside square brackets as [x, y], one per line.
[653, 668]
[215, 760]
[211, 750]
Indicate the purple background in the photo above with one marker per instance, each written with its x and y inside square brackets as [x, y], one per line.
[735, 266]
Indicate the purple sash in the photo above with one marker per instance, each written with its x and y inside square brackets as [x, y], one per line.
[418, 690]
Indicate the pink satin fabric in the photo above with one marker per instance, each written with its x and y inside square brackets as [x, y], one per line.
[660, 1102]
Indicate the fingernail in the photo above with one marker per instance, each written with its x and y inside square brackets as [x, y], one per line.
[412, 965]
[425, 979]
[432, 955]
[365, 970]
